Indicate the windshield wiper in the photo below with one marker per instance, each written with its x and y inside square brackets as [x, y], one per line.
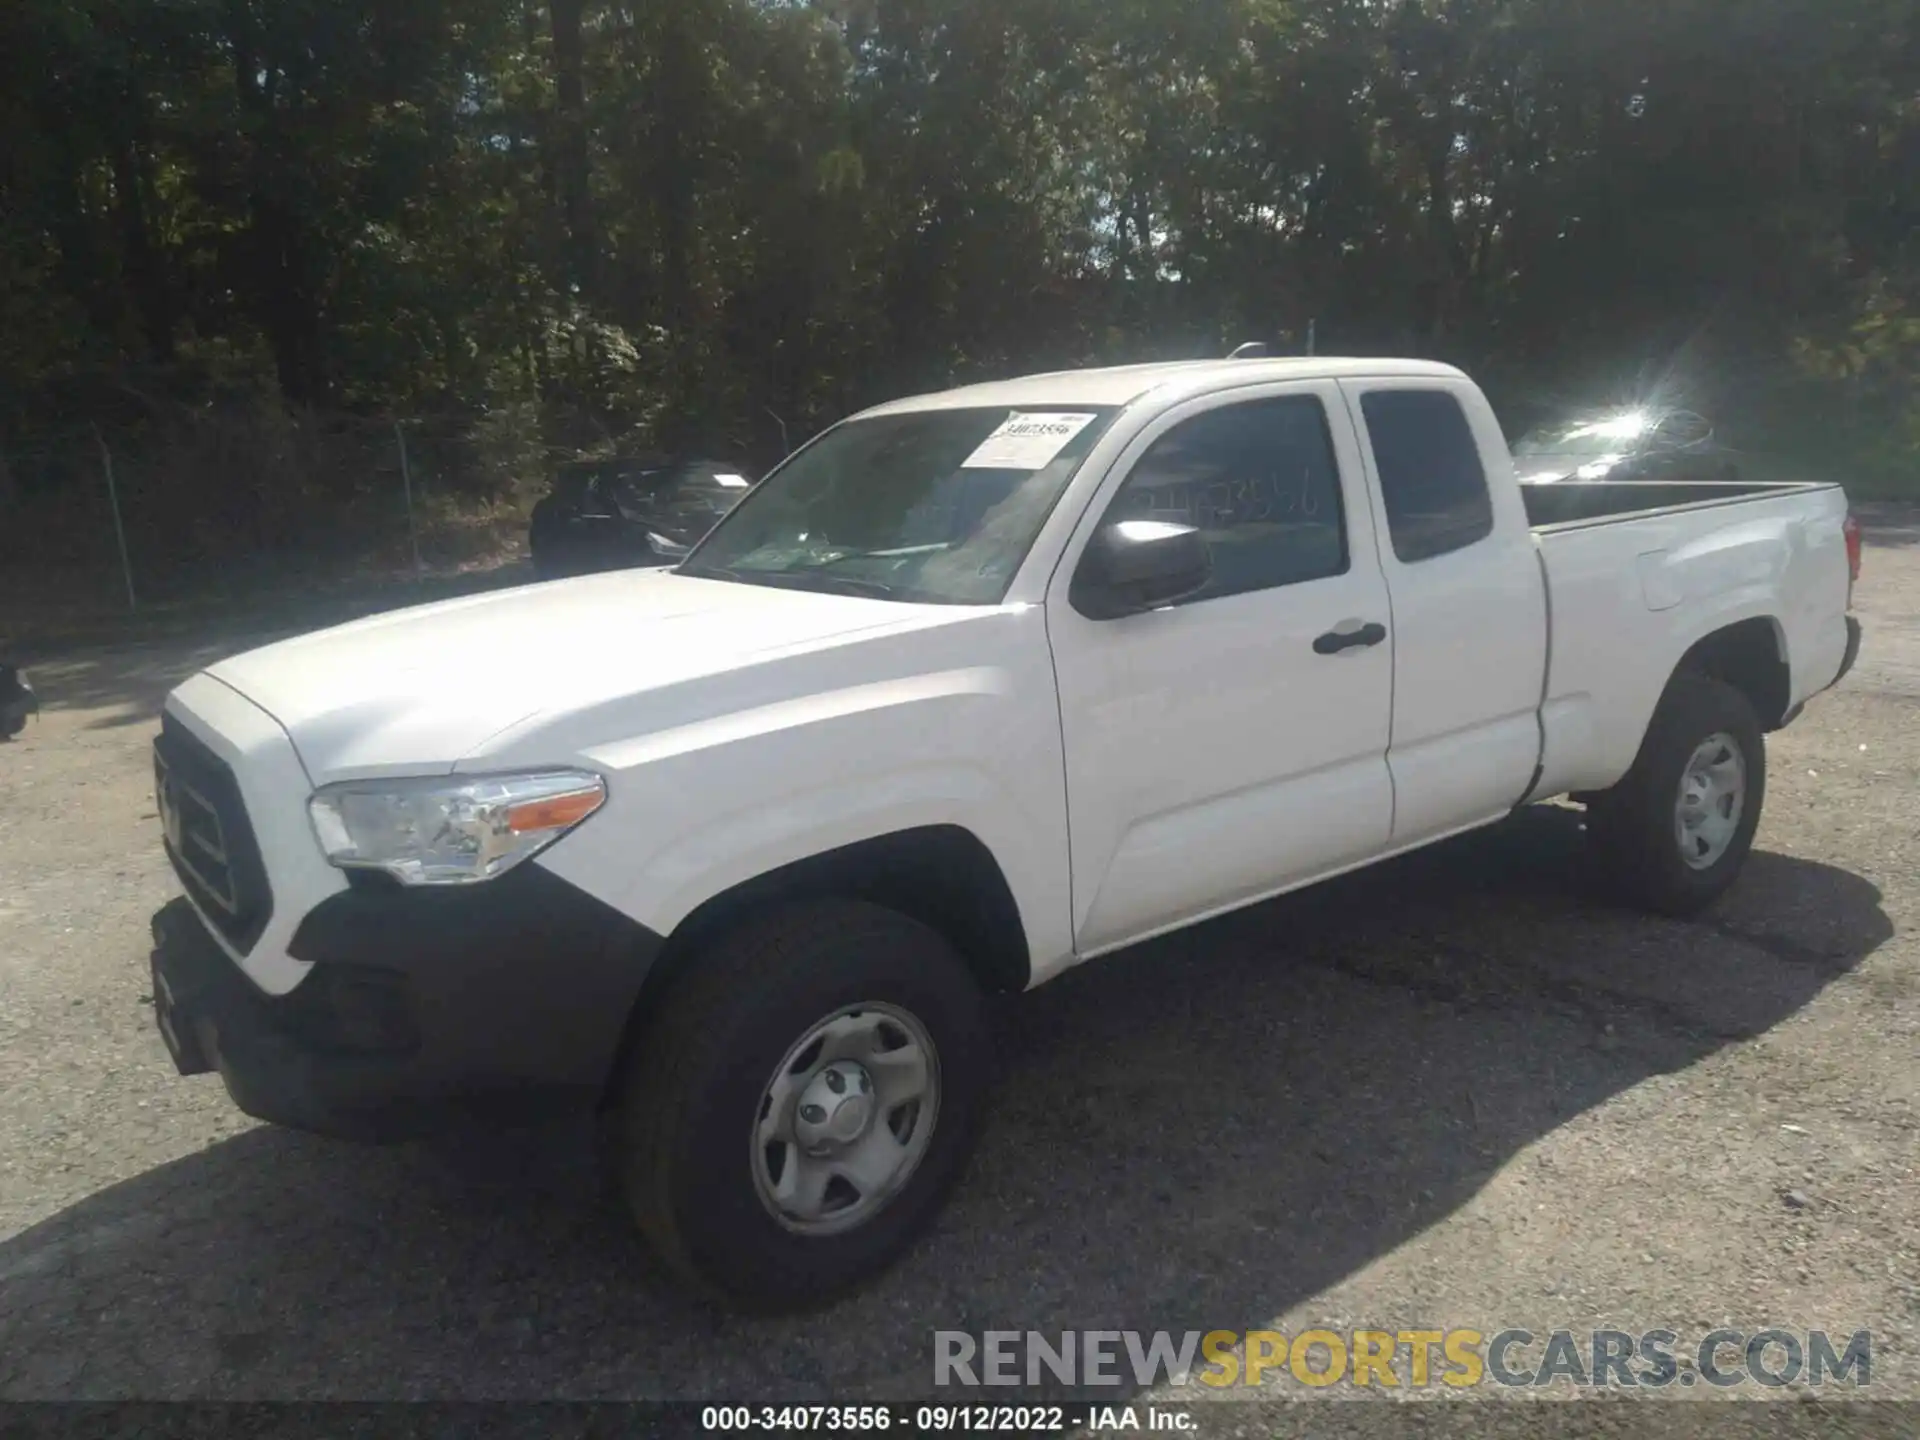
[898, 553]
[811, 577]
[801, 579]
[850, 582]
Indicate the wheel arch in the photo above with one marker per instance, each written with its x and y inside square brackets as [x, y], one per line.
[941, 875]
[1751, 656]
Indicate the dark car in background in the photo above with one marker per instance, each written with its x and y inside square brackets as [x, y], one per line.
[616, 514]
[1628, 443]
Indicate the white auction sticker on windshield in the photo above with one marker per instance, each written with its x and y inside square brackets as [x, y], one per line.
[1027, 441]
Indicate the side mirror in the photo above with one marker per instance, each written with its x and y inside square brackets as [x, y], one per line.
[1136, 565]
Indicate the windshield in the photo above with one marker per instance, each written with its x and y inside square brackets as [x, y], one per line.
[1599, 435]
[935, 506]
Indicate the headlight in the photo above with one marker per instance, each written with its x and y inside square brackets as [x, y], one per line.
[664, 545]
[450, 830]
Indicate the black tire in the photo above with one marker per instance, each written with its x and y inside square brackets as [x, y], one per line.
[695, 1085]
[1632, 826]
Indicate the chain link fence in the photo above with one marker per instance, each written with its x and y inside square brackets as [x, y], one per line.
[183, 506]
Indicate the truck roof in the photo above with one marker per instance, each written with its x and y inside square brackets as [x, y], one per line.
[1123, 384]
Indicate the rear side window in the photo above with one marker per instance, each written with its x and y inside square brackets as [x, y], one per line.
[1430, 474]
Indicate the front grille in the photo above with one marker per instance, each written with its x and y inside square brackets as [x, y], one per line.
[208, 837]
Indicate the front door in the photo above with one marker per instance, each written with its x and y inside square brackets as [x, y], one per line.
[1233, 744]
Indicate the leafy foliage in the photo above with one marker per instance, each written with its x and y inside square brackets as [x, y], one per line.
[728, 221]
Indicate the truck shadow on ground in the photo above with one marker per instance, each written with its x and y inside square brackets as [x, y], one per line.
[1197, 1133]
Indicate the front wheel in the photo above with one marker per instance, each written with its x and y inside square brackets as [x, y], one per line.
[803, 1102]
[1676, 830]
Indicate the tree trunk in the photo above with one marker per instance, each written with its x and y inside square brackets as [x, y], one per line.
[81, 264]
[145, 269]
[676, 193]
[1446, 255]
[285, 299]
[570, 161]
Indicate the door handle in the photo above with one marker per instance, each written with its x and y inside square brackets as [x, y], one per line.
[1334, 641]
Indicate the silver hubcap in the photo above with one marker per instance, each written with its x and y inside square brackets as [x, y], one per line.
[845, 1119]
[1713, 793]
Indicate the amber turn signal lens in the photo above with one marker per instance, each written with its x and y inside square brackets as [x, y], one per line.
[553, 812]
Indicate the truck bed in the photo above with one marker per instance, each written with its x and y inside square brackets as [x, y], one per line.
[1638, 568]
[1566, 503]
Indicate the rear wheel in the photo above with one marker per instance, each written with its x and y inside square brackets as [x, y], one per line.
[803, 1102]
[1676, 830]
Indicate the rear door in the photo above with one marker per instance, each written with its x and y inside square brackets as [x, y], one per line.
[1214, 754]
[1468, 601]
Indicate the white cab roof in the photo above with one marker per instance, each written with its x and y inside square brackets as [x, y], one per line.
[1123, 384]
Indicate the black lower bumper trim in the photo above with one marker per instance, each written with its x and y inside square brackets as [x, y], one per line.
[422, 1007]
[1853, 650]
[177, 990]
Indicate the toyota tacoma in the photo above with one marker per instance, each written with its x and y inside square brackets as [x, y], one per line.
[975, 687]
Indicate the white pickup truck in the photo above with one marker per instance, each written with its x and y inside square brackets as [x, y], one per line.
[975, 687]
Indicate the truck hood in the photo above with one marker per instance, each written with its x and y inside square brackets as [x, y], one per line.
[414, 691]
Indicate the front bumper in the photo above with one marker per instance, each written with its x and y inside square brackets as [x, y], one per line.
[422, 1006]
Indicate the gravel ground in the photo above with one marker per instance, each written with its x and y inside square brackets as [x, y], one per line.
[1454, 1090]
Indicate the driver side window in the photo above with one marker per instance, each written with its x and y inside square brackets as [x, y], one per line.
[1260, 483]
